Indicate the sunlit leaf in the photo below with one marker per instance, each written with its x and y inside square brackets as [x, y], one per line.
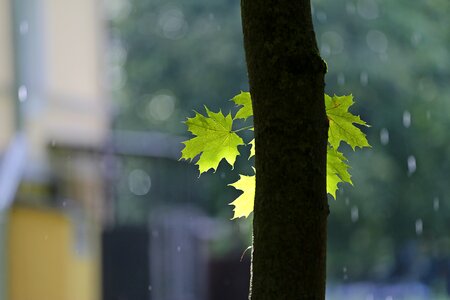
[244, 100]
[341, 123]
[243, 205]
[252, 150]
[214, 140]
[337, 170]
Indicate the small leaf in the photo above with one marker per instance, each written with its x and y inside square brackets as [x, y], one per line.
[252, 149]
[337, 170]
[243, 99]
[243, 205]
[214, 140]
[341, 123]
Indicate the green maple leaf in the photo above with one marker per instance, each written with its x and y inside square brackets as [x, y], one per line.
[243, 205]
[252, 150]
[243, 99]
[214, 140]
[337, 170]
[341, 123]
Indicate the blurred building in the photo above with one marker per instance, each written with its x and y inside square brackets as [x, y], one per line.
[53, 122]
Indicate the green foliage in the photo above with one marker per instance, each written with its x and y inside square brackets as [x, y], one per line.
[341, 123]
[244, 100]
[337, 170]
[243, 205]
[215, 140]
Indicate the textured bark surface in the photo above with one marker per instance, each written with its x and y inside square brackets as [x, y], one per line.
[286, 77]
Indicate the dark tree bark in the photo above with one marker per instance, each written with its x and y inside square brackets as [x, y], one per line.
[286, 77]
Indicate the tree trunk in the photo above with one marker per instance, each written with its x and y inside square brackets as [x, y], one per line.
[286, 77]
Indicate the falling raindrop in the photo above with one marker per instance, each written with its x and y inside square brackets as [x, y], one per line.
[369, 297]
[22, 93]
[406, 119]
[150, 288]
[178, 249]
[325, 50]
[350, 7]
[344, 271]
[364, 78]
[321, 16]
[389, 298]
[23, 27]
[411, 164]
[416, 38]
[436, 204]
[428, 115]
[384, 136]
[347, 201]
[334, 40]
[419, 226]
[354, 214]
[341, 79]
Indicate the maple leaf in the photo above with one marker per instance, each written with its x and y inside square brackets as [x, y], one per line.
[243, 99]
[341, 123]
[214, 140]
[252, 149]
[243, 205]
[337, 170]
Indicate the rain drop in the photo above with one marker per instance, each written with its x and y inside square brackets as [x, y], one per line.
[384, 136]
[350, 7]
[416, 38]
[364, 78]
[411, 164]
[23, 27]
[341, 79]
[321, 16]
[334, 41]
[419, 226]
[436, 204]
[150, 288]
[354, 212]
[22, 93]
[178, 249]
[325, 50]
[389, 298]
[369, 297]
[406, 119]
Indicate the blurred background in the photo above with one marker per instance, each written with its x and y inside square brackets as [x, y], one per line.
[94, 203]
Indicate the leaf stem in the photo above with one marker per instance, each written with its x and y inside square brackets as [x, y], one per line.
[243, 128]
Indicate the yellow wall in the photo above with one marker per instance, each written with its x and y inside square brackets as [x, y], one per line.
[42, 259]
